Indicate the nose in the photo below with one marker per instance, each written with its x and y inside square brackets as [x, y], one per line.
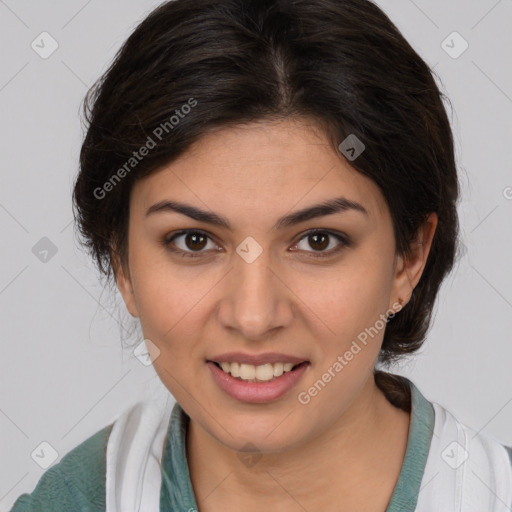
[255, 300]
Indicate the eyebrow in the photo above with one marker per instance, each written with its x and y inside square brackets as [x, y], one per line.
[329, 207]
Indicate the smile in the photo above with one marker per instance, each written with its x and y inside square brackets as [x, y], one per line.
[248, 387]
[251, 373]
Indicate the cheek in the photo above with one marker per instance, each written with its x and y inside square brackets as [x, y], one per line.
[171, 305]
[163, 291]
[348, 300]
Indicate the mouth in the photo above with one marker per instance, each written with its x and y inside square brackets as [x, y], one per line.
[257, 384]
[268, 372]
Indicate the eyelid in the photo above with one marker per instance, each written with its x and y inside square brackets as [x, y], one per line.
[168, 239]
[343, 239]
[337, 234]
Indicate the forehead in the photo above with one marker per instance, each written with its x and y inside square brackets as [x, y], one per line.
[279, 165]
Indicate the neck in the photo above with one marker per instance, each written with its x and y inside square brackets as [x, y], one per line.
[367, 444]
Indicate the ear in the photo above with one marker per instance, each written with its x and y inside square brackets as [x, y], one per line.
[408, 271]
[124, 282]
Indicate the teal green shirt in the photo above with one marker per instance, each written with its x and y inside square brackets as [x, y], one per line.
[77, 482]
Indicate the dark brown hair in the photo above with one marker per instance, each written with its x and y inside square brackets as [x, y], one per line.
[341, 63]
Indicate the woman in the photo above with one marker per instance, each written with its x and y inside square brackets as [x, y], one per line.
[271, 186]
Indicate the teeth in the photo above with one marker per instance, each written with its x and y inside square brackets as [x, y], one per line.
[235, 370]
[261, 373]
[278, 369]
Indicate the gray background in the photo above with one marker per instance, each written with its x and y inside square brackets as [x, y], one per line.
[63, 373]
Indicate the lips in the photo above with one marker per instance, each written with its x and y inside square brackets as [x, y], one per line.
[257, 392]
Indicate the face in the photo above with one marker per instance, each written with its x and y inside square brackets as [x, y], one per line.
[263, 280]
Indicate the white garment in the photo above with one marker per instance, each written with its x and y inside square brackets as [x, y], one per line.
[134, 455]
[465, 471]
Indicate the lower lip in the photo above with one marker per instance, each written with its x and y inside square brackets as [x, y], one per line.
[256, 392]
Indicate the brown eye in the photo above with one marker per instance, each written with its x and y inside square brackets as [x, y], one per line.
[195, 241]
[189, 242]
[319, 241]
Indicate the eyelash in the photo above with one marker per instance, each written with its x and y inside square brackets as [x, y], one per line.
[343, 239]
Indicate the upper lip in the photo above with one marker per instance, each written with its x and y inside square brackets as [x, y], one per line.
[256, 359]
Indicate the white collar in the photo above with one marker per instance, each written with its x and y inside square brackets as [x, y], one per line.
[483, 482]
[134, 455]
[466, 471]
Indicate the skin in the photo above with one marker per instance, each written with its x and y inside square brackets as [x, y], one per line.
[344, 449]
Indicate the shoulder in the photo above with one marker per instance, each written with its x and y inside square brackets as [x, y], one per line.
[76, 483]
[484, 447]
[466, 467]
